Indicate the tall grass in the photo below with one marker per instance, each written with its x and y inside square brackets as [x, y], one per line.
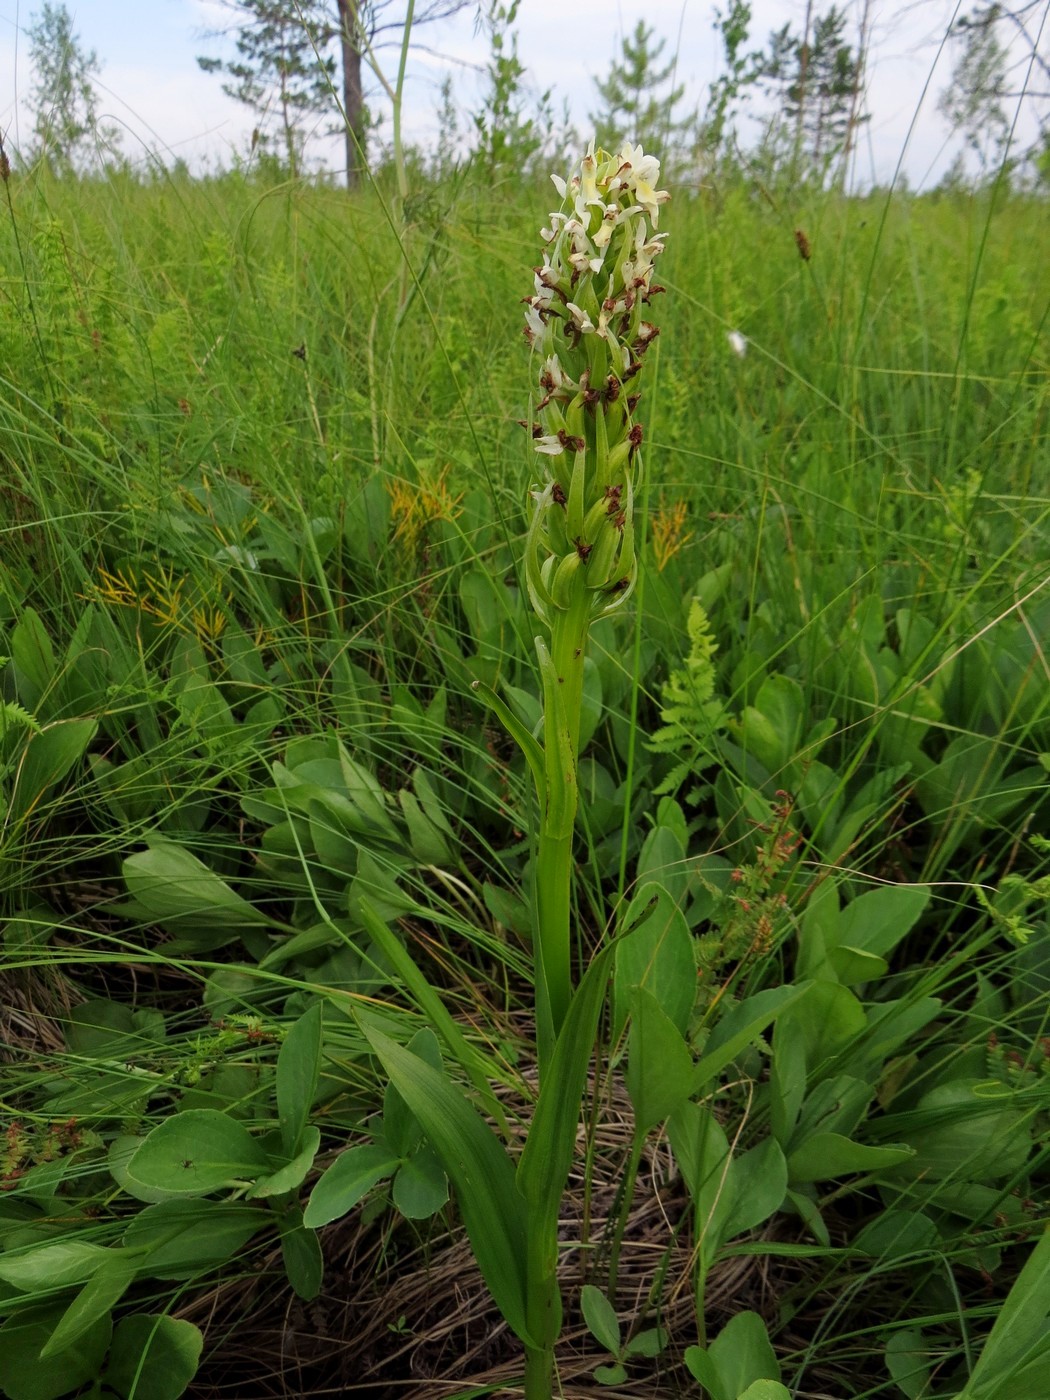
[258, 502]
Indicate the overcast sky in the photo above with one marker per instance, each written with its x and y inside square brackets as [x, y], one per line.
[152, 86]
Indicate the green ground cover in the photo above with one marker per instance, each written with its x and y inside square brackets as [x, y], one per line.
[267, 861]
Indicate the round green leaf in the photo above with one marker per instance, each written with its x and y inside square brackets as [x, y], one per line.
[153, 1358]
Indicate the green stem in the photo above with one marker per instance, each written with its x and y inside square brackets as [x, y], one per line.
[539, 1373]
[554, 865]
[543, 1305]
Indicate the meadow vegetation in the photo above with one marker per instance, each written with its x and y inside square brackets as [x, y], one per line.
[268, 861]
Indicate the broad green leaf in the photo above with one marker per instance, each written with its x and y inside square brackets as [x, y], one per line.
[94, 1301]
[33, 658]
[701, 1150]
[760, 1180]
[740, 1028]
[426, 841]
[657, 954]
[197, 1152]
[895, 1234]
[48, 758]
[649, 1343]
[600, 1316]
[958, 1131]
[908, 1358]
[545, 1162]
[170, 884]
[877, 921]
[1020, 1330]
[787, 1076]
[298, 1068]
[290, 1175]
[401, 1131]
[420, 1187]
[178, 1239]
[475, 1162]
[826, 1019]
[301, 1254]
[827, 1155]
[25, 1375]
[153, 1357]
[766, 1390]
[367, 795]
[347, 1181]
[121, 1151]
[61, 1264]
[610, 1375]
[660, 1073]
[738, 1357]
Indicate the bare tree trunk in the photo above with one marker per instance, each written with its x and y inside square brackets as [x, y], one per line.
[803, 78]
[858, 86]
[353, 96]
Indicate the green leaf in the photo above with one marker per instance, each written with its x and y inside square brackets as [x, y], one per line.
[701, 1150]
[740, 1028]
[171, 885]
[290, 1175]
[26, 1375]
[401, 1130]
[545, 1162]
[649, 1343]
[827, 1155]
[421, 1186]
[660, 1072]
[181, 1238]
[895, 1234]
[367, 795]
[610, 1375]
[766, 1390]
[94, 1301]
[197, 1152]
[760, 1180]
[301, 1253]
[869, 928]
[530, 748]
[153, 1357]
[600, 1316]
[908, 1357]
[739, 1356]
[48, 757]
[657, 954]
[298, 1068]
[474, 1160]
[347, 1181]
[62, 1264]
[1020, 1330]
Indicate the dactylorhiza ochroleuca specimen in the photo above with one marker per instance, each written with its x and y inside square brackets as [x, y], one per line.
[586, 320]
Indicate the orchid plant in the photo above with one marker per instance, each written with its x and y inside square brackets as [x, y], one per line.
[586, 319]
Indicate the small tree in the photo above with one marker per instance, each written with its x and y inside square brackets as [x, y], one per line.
[639, 97]
[62, 98]
[277, 66]
[743, 68]
[508, 134]
[973, 100]
[816, 78]
[306, 57]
